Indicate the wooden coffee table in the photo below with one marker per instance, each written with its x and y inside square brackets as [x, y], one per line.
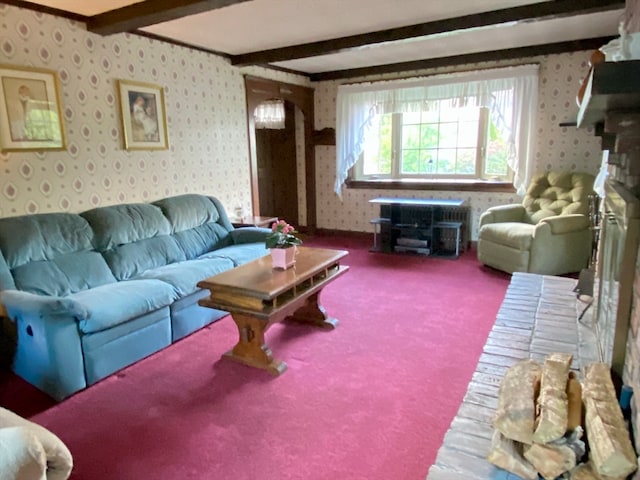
[257, 296]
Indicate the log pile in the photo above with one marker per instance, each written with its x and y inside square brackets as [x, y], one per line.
[548, 424]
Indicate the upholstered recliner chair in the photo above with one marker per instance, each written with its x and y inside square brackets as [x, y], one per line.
[549, 233]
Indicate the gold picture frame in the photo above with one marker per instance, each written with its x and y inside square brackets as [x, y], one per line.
[143, 114]
[30, 110]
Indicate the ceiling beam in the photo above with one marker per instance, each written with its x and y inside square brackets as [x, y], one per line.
[456, 60]
[150, 12]
[523, 14]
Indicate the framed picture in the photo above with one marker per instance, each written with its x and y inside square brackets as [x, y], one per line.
[144, 121]
[30, 110]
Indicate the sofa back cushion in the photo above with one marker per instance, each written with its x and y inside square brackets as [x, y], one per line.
[51, 254]
[133, 238]
[557, 193]
[198, 223]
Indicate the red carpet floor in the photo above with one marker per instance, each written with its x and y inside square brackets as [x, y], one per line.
[369, 400]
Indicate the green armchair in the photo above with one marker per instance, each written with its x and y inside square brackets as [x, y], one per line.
[549, 233]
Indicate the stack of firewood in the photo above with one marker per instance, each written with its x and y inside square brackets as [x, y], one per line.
[547, 423]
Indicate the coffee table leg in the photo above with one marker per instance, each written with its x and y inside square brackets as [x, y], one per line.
[251, 349]
[314, 313]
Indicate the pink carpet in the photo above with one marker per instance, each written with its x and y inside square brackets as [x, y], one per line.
[369, 400]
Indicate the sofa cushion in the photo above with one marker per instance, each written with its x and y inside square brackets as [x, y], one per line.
[511, 234]
[64, 275]
[32, 238]
[198, 240]
[184, 276]
[188, 211]
[113, 304]
[122, 224]
[130, 260]
[239, 254]
[6, 280]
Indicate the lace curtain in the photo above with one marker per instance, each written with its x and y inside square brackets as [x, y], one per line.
[511, 94]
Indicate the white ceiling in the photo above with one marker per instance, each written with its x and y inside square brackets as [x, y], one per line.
[257, 25]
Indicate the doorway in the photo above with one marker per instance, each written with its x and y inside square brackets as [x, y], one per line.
[277, 169]
[297, 202]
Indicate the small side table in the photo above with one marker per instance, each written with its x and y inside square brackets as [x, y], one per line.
[251, 221]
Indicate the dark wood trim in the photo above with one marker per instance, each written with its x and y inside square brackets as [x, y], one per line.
[259, 89]
[455, 60]
[326, 136]
[430, 185]
[527, 13]
[48, 10]
[150, 12]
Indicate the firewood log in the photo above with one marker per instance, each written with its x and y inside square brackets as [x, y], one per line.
[574, 399]
[550, 460]
[585, 471]
[553, 407]
[507, 454]
[515, 414]
[610, 446]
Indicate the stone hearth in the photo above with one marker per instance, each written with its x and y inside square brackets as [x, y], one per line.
[539, 315]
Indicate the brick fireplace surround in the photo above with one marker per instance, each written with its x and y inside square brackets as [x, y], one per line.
[540, 314]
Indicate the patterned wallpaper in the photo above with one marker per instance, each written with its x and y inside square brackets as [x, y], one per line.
[206, 114]
[557, 147]
[206, 118]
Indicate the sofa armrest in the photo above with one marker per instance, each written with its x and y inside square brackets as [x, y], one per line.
[249, 235]
[503, 213]
[561, 224]
[48, 351]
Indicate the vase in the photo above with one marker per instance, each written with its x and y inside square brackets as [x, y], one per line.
[283, 258]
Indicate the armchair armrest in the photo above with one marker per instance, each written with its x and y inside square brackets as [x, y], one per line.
[560, 224]
[249, 234]
[503, 213]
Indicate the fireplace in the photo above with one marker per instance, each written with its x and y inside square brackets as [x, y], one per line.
[616, 268]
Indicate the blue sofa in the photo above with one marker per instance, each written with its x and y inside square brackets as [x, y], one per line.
[91, 293]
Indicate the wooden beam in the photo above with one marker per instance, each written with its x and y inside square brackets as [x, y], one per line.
[523, 14]
[455, 60]
[150, 12]
[36, 7]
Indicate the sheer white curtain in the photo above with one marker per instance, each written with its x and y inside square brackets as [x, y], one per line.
[270, 114]
[511, 94]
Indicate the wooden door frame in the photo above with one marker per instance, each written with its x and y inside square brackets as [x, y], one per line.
[259, 89]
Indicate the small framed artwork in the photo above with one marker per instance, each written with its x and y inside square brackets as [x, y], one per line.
[144, 119]
[30, 110]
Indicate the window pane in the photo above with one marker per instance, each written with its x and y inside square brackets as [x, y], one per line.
[411, 136]
[446, 161]
[448, 135]
[429, 135]
[377, 149]
[466, 164]
[428, 161]
[410, 161]
[411, 118]
[468, 134]
[497, 151]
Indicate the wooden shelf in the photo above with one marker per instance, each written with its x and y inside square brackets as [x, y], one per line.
[611, 86]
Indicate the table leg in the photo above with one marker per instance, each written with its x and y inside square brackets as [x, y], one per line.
[313, 313]
[251, 349]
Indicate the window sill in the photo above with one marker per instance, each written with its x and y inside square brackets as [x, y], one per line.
[445, 185]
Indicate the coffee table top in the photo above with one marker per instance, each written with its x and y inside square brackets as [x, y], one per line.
[258, 279]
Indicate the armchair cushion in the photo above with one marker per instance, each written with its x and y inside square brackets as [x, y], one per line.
[511, 234]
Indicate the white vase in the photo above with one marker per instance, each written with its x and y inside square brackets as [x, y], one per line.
[283, 258]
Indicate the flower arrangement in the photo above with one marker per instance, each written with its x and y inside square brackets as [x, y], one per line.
[282, 236]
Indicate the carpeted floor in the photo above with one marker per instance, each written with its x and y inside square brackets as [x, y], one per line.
[369, 400]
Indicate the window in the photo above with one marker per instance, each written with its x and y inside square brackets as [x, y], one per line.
[439, 143]
[464, 126]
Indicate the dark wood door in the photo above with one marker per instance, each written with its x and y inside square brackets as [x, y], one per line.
[277, 169]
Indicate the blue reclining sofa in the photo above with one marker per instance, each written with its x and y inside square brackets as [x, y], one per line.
[90, 293]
